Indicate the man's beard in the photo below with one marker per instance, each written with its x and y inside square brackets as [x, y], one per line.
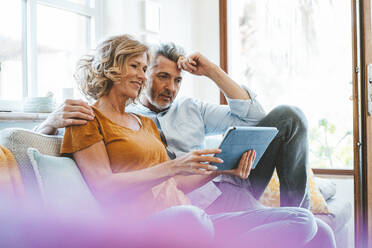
[151, 98]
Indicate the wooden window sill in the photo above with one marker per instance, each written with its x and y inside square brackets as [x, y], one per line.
[334, 172]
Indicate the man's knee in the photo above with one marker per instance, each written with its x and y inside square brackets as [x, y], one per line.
[292, 114]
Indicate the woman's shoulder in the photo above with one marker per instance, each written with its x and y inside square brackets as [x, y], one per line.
[91, 126]
[144, 118]
[97, 112]
[146, 121]
[100, 118]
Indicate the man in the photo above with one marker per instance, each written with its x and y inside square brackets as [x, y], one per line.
[185, 122]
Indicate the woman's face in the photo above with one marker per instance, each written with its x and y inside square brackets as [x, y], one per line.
[133, 76]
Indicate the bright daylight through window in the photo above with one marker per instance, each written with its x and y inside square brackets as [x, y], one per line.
[11, 50]
[41, 40]
[299, 54]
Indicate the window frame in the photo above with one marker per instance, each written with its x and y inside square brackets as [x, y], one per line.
[223, 20]
[29, 39]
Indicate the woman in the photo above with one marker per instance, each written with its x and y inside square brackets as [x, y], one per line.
[125, 163]
[123, 152]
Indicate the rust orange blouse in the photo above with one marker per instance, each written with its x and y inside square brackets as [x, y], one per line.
[127, 150]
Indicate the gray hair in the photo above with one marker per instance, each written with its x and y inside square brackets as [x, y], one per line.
[167, 50]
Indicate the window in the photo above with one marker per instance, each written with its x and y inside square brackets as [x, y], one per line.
[11, 69]
[43, 40]
[299, 54]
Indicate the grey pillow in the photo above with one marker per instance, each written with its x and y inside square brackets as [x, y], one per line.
[326, 187]
[18, 140]
[60, 181]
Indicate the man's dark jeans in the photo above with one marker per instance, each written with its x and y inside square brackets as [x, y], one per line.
[288, 153]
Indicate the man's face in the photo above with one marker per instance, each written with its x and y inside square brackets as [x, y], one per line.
[163, 84]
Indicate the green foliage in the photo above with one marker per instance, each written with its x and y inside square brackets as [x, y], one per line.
[329, 147]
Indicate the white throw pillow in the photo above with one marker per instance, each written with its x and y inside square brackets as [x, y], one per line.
[60, 181]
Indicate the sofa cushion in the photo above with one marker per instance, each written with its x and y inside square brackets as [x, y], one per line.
[18, 140]
[60, 181]
[341, 213]
[271, 195]
[326, 186]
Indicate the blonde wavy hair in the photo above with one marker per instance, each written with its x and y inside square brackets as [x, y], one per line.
[96, 74]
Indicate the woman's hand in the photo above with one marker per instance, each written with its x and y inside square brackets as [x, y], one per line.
[195, 162]
[244, 167]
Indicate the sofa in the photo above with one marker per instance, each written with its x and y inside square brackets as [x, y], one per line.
[340, 209]
[18, 141]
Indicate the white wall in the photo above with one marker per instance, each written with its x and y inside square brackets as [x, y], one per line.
[193, 24]
[122, 16]
[206, 37]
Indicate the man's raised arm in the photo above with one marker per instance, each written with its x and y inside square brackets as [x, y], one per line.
[198, 64]
[71, 112]
[243, 109]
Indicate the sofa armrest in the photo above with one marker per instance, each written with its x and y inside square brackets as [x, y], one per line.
[18, 140]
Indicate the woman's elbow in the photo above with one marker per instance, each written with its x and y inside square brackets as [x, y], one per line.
[102, 188]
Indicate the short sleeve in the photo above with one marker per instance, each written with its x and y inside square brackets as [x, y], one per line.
[79, 137]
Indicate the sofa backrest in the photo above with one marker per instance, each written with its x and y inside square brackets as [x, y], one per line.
[18, 140]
